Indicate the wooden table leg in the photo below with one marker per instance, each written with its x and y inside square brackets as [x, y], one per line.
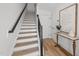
[57, 40]
[74, 47]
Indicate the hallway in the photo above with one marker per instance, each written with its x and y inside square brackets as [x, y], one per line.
[27, 28]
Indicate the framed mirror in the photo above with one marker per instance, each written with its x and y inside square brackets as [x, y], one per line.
[68, 19]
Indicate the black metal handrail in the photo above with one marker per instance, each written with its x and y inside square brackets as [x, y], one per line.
[40, 31]
[16, 23]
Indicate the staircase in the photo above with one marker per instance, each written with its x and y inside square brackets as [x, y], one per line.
[27, 40]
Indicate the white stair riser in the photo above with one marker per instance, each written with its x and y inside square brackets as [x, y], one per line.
[29, 24]
[31, 34]
[27, 30]
[28, 18]
[29, 21]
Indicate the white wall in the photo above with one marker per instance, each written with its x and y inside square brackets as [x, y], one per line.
[31, 7]
[8, 16]
[45, 20]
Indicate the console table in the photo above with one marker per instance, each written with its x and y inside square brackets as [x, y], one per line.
[66, 35]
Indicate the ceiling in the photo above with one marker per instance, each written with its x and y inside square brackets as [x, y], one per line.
[50, 6]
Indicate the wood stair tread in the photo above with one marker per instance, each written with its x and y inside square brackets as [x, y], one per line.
[27, 37]
[29, 22]
[27, 28]
[27, 32]
[26, 51]
[29, 25]
[26, 43]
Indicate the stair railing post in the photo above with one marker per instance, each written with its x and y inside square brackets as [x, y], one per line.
[40, 32]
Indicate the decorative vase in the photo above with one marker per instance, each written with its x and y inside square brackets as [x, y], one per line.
[58, 27]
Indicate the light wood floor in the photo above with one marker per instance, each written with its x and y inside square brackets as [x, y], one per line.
[50, 49]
